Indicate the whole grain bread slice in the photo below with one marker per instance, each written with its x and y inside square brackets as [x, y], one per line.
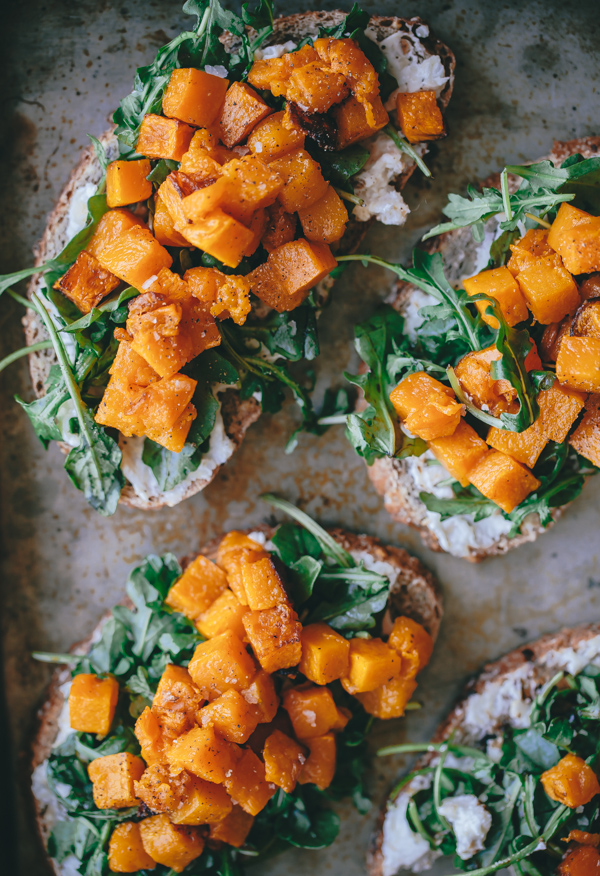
[529, 667]
[238, 413]
[414, 593]
[391, 477]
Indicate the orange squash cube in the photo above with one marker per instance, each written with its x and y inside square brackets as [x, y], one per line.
[580, 861]
[194, 96]
[174, 437]
[111, 226]
[325, 220]
[325, 654]
[177, 699]
[428, 408]
[246, 784]
[578, 363]
[135, 257]
[524, 446]
[304, 183]
[166, 400]
[575, 235]
[319, 768]
[459, 452]
[224, 614]
[571, 782]
[419, 116]
[163, 226]
[203, 753]
[275, 136]
[503, 480]
[126, 182]
[533, 245]
[343, 716]
[163, 138]
[500, 284]
[196, 590]
[203, 803]
[170, 844]
[231, 716]
[559, 408]
[112, 778]
[230, 544]
[126, 853]
[352, 122]
[221, 236]
[234, 828]
[92, 703]
[262, 697]
[316, 88]
[242, 110]
[312, 710]
[252, 186]
[550, 290]
[159, 789]
[586, 437]
[413, 643]
[148, 733]
[284, 759]
[221, 664]
[199, 163]
[372, 663]
[262, 584]
[86, 282]
[280, 227]
[274, 635]
[389, 700]
[290, 272]
[474, 374]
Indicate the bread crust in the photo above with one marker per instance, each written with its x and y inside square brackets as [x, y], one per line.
[416, 593]
[238, 414]
[391, 477]
[531, 655]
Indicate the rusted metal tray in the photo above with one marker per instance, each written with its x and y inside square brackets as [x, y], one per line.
[527, 73]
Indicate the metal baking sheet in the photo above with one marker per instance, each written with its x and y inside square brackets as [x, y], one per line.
[526, 73]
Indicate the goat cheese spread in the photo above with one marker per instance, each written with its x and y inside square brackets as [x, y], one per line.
[375, 183]
[275, 51]
[401, 847]
[411, 65]
[470, 821]
[78, 209]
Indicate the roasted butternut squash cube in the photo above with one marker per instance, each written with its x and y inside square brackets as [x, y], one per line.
[427, 407]
[242, 110]
[270, 74]
[550, 290]
[372, 663]
[571, 782]
[290, 272]
[230, 544]
[177, 699]
[163, 138]
[126, 853]
[166, 400]
[253, 186]
[580, 861]
[325, 220]
[246, 784]
[274, 635]
[389, 700]
[221, 236]
[134, 257]
[200, 162]
[163, 225]
[112, 778]
[111, 226]
[459, 452]
[578, 363]
[225, 295]
[325, 654]
[312, 710]
[234, 828]
[413, 643]
[500, 284]
[196, 590]
[170, 844]
[275, 136]
[126, 182]
[304, 183]
[148, 733]
[559, 408]
[224, 614]
[419, 116]
[319, 768]
[174, 437]
[567, 218]
[352, 120]
[280, 227]
[503, 480]
[203, 753]
[284, 759]
[474, 374]
[575, 236]
[86, 282]
[262, 697]
[160, 790]
[221, 664]
[533, 245]
[343, 716]
[231, 716]
[203, 803]
[524, 446]
[586, 437]
[92, 703]
[262, 584]
[315, 88]
[194, 96]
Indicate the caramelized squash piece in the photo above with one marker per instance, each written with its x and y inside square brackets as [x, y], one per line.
[247, 785]
[163, 224]
[221, 236]
[231, 715]
[126, 853]
[262, 697]
[126, 182]
[578, 363]
[242, 110]
[325, 220]
[575, 235]
[315, 88]
[503, 480]
[390, 699]
[533, 245]
[559, 408]
[92, 703]
[580, 861]
[170, 844]
[225, 295]
[86, 282]
[586, 322]
[201, 583]
[275, 136]
[312, 710]
[474, 374]
[163, 138]
[262, 584]
[225, 613]
[280, 227]
[571, 782]
[111, 226]
[427, 407]
[345, 57]
[290, 272]
[283, 759]
[353, 124]
[194, 96]
[460, 451]
[319, 768]
[177, 699]
[419, 116]
[203, 753]
[372, 663]
[304, 183]
[112, 778]
[149, 734]
[500, 284]
[586, 437]
[234, 828]
[202, 803]
[160, 790]
[221, 664]
[413, 643]
[525, 447]
[325, 654]
[550, 290]
[274, 635]
[134, 257]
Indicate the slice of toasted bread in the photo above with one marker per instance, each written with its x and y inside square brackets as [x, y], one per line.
[414, 593]
[238, 414]
[392, 478]
[501, 695]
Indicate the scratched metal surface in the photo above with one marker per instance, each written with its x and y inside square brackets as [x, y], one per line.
[526, 73]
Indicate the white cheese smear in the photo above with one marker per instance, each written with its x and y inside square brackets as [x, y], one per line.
[77, 215]
[470, 822]
[375, 183]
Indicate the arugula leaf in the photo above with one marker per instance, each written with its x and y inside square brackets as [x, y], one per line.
[338, 168]
[468, 501]
[94, 466]
[161, 170]
[42, 411]
[292, 543]
[109, 305]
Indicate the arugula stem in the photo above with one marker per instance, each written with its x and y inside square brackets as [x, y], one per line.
[50, 657]
[404, 146]
[8, 279]
[539, 221]
[437, 791]
[334, 420]
[341, 556]
[429, 747]
[505, 195]
[26, 302]
[489, 419]
[348, 196]
[24, 351]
